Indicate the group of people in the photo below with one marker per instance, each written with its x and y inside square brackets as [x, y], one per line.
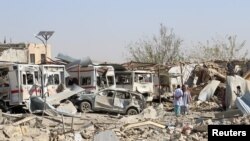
[182, 98]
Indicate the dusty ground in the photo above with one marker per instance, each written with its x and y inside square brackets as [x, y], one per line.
[87, 126]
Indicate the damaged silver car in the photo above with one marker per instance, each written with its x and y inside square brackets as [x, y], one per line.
[115, 100]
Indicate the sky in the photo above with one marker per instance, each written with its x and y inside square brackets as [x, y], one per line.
[102, 29]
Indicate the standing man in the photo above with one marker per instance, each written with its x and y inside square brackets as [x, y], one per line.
[238, 92]
[186, 100]
[178, 100]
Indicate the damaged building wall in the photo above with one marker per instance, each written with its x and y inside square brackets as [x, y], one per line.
[24, 53]
[38, 51]
[186, 72]
[14, 55]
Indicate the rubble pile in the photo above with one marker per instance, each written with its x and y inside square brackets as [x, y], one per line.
[154, 123]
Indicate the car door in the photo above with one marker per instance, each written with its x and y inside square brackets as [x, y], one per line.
[104, 100]
[121, 101]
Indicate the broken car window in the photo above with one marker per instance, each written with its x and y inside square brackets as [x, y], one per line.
[56, 79]
[50, 79]
[122, 95]
[111, 80]
[53, 79]
[30, 79]
[123, 78]
[86, 80]
[110, 94]
[24, 79]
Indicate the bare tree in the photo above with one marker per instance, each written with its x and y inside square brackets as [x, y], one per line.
[160, 49]
[226, 49]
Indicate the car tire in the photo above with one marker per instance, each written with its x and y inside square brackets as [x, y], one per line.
[85, 107]
[132, 111]
[2, 106]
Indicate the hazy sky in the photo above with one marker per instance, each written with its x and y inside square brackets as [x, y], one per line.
[101, 29]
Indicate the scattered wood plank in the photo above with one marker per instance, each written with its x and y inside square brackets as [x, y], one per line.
[128, 126]
[24, 120]
[229, 113]
[14, 115]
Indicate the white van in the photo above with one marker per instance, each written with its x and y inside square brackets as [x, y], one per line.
[138, 80]
[92, 78]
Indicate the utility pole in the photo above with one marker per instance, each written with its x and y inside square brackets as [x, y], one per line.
[45, 35]
[181, 73]
[159, 83]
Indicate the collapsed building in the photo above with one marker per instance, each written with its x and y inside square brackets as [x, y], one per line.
[24, 53]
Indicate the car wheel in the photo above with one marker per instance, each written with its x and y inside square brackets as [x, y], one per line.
[3, 107]
[85, 106]
[132, 111]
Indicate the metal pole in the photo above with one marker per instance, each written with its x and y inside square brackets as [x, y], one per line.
[181, 74]
[159, 89]
[45, 52]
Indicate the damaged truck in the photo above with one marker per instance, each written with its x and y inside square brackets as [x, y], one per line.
[19, 82]
[138, 80]
[92, 78]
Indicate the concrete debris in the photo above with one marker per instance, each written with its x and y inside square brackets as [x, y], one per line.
[57, 98]
[231, 89]
[39, 105]
[229, 114]
[148, 123]
[207, 92]
[106, 136]
[54, 118]
[67, 107]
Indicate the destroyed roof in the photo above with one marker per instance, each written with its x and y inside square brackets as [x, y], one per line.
[65, 58]
[84, 62]
[117, 67]
[13, 45]
[138, 65]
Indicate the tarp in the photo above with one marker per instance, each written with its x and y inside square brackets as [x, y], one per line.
[39, 105]
[208, 91]
[243, 103]
[36, 104]
[243, 106]
[65, 58]
[84, 62]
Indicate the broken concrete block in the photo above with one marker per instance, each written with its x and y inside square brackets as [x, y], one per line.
[27, 139]
[15, 139]
[209, 122]
[2, 136]
[170, 130]
[201, 128]
[187, 132]
[25, 130]
[195, 137]
[85, 135]
[67, 107]
[12, 131]
[77, 137]
[42, 137]
[229, 113]
[178, 130]
[107, 135]
[61, 137]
